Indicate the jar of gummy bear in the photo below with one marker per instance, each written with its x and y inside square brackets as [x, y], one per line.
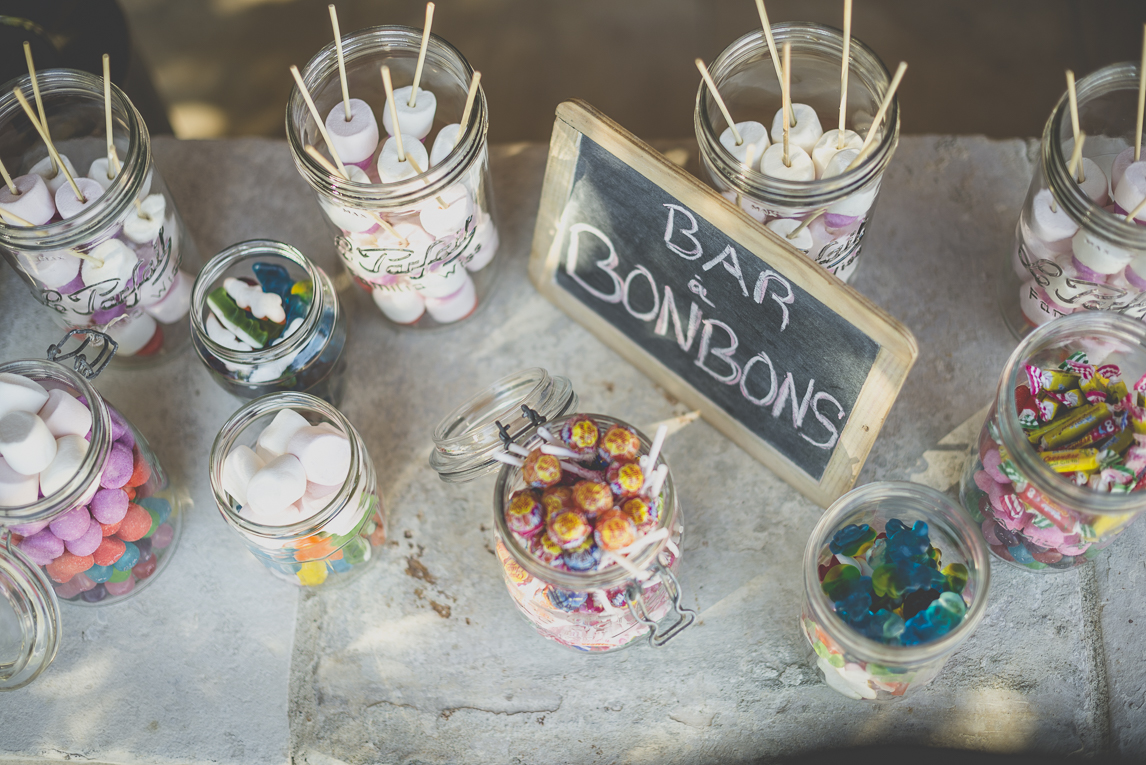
[267, 319]
[895, 579]
[837, 200]
[335, 527]
[108, 519]
[115, 257]
[418, 233]
[1075, 247]
[1059, 473]
[587, 526]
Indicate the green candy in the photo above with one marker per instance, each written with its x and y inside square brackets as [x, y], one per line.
[119, 576]
[356, 551]
[956, 574]
[252, 331]
[839, 579]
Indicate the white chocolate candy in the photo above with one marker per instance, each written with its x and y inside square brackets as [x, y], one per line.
[354, 140]
[274, 438]
[453, 307]
[35, 203]
[114, 264]
[399, 306]
[324, 452]
[277, 486]
[1099, 255]
[132, 333]
[800, 167]
[444, 143]
[223, 336]
[175, 303]
[142, 226]
[263, 305]
[51, 269]
[483, 246]
[439, 221]
[827, 147]
[752, 134]
[1131, 190]
[68, 205]
[785, 226]
[416, 120]
[391, 169]
[1050, 225]
[43, 168]
[26, 443]
[804, 133]
[99, 173]
[19, 394]
[1121, 162]
[239, 468]
[70, 453]
[64, 415]
[16, 488]
[1095, 185]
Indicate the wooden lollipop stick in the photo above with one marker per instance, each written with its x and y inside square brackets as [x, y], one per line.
[8, 180]
[1137, 209]
[719, 101]
[749, 158]
[413, 101]
[112, 157]
[1073, 98]
[1141, 98]
[869, 139]
[767, 25]
[48, 142]
[327, 165]
[806, 222]
[441, 202]
[341, 61]
[318, 121]
[39, 101]
[1076, 156]
[474, 81]
[844, 66]
[786, 95]
[388, 84]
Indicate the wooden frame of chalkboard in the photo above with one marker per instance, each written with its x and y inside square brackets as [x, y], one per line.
[714, 307]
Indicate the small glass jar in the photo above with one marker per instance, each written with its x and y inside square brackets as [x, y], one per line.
[1074, 250]
[852, 663]
[306, 358]
[124, 265]
[596, 611]
[745, 76]
[335, 545]
[1030, 515]
[420, 271]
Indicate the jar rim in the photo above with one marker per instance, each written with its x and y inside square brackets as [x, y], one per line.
[37, 609]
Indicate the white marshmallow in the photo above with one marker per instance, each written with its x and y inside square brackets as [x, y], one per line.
[26, 443]
[70, 453]
[316, 498]
[453, 307]
[51, 269]
[273, 440]
[857, 203]
[441, 280]
[16, 488]
[800, 167]
[439, 221]
[68, 205]
[239, 467]
[35, 203]
[263, 305]
[399, 306]
[65, 415]
[175, 304]
[347, 519]
[142, 226]
[444, 143]
[752, 134]
[356, 139]
[276, 486]
[347, 218]
[483, 246]
[117, 266]
[784, 226]
[1099, 255]
[1062, 289]
[804, 133]
[1131, 190]
[391, 169]
[43, 168]
[99, 173]
[827, 147]
[1050, 225]
[1118, 167]
[324, 452]
[1095, 185]
[416, 120]
[132, 333]
[19, 394]
[839, 163]
[1036, 306]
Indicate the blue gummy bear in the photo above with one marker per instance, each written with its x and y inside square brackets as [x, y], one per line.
[923, 577]
[1021, 554]
[904, 543]
[854, 609]
[566, 600]
[582, 560]
[847, 536]
[894, 526]
[274, 278]
[99, 574]
[884, 626]
[297, 308]
[939, 618]
[129, 558]
[158, 505]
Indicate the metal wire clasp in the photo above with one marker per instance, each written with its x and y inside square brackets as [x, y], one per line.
[636, 602]
[88, 369]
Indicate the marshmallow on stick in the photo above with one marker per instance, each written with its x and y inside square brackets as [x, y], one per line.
[352, 128]
[412, 109]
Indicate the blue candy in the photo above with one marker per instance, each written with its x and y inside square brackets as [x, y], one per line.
[340, 565]
[850, 539]
[274, 278]
[884, 626]
[565, 600]
[158, 505]
[583, 560]
[904, 543]
[95, 594]
[129, 558]
[937, 620]
[1021, 554]
[854, 609]
[99, 574]
[297, 307]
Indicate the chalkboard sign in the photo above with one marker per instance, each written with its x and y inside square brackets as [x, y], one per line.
[787, 361]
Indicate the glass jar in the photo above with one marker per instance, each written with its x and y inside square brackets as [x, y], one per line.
[306, 357]
[420, 271]
[857, 665]
[336, 544]
[1030, 515]
[141, 292]
[592, 611]
[1074, 249]
[745, 77]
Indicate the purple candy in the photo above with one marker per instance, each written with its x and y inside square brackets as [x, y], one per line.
[72, 524]
[43, 547]
[104, 316]
[94, 595]
[1086, 272]
[75, 285]
[117, 469]
[118, 424]
[109, 505]
[87, 544]
[832, 220]
[1134, 279]
[28, 529]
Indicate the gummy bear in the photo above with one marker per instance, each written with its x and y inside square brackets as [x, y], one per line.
[904, 543]
[884, 626]
[842, 581]
[956, 574]
[273, 278]
[852, 540]
[301, 296]
[942, 616]
[854, 608]
[918, 601]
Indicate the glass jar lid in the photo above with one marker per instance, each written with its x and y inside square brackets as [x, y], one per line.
[29, 619]
[465, 440]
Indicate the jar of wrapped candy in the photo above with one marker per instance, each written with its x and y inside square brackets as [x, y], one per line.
[1060, 469]
[292, 476]
[267, 319]
[1076, 246]
[895, 579]
[586, 521]
[94, 233]
[413, 220]
[817, 201]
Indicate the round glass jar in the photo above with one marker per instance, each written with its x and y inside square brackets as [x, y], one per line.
[593, 611]
[420, 272]
[853, 663]
[745, 76]
[1030, 515]
[1074, 249]
[123, 265]
[337, 543]
[306, 357]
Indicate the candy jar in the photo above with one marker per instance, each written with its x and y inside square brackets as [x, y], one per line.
[266, 319]
[1060, 467]
[833, 201]
[292, 477]
[119, 261]
[420, 241]
[895, 579]
[587, 526]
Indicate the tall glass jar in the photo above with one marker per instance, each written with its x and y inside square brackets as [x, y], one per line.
[336, 544]
[1074, 249]
[854, 664]
[745, 76]
[308, 355]
[123, 264]
[1030, 515]
[595, 611]
[421, 271]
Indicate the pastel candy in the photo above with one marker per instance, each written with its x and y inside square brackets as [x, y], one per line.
[828, 146]
[1131, 189]
[63, 568]
[1099, 255]
[277, 486]
[69, 205]
[34, 202]
[399, 306]
[129, 558]
[157, 505]
[133, 333]
[482, 245]
[135, 524]
[163, 536]
[17, 489]
[52, 269]
[64, 415]
[142, 225]
[87, 543]
[439, 221]
[113, 266]
[262, 305]
[785, 226]
[101, 174]
[354, 139]
[444, 143]
[416, 120]
[799, 167]
[804, 133]
[175, 302]
[54, 181]
[121, 588]
[70, 453]
[1047, 223]
[453, 307]
[119, 427]
[24, 442]
[18, 393]
[99, 574]
[109, 505]
[752, 135]
[239, 467]
[72, 524]
[317, 497]
[272, 442]
[109, 551]
[391, 169]
[43, 547]
[324, 452]
[118, 467]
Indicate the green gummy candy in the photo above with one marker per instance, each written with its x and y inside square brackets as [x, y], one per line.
[882, 581]
[836, 578]
[956, 574]
[119, 576]
[155, 522]
[356, 551]
[821, 650]
[836, 660]
[252, 331]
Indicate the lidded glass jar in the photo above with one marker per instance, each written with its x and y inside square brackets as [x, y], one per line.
[123, 264]
[307, 353]
[854, 663]
[593, 608]
[1074, 248]
[745, 77]
[347, 522]
[423, 245]
[1031, 515]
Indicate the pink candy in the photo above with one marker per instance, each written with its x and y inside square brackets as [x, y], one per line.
[42, 547]
[86, 544]
[72, 524]
[109, 505]
[117, 469]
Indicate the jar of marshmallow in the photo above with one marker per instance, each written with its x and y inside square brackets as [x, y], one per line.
[403, 180]
[812, 185]
[267, 319]
[1080, 241]
[86, 218]
[291, 475]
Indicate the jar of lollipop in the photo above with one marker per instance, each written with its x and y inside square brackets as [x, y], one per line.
[1075, 248]
[895, 579]
[292, 477]
[415, 228]
[587, 526]
[819, 185]
[108, 252]
[1059, 471]
[267, 319]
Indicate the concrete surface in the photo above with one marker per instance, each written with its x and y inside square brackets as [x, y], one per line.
[425, 660]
